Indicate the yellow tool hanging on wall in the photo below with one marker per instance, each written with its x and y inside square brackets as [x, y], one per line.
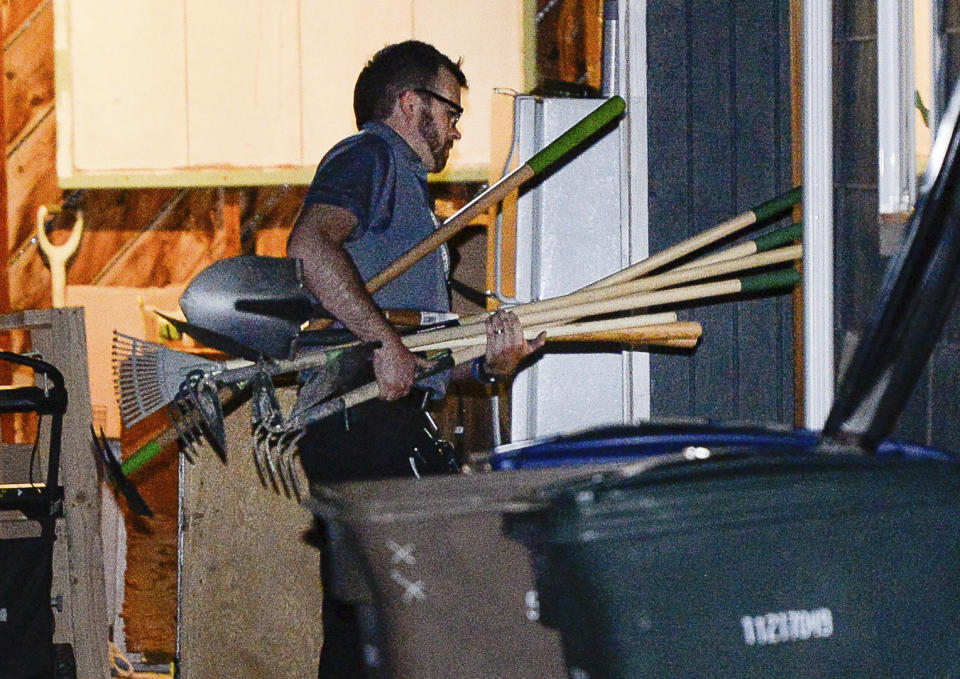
[57, 255]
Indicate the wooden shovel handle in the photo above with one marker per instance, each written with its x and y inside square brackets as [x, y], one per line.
[653, 334]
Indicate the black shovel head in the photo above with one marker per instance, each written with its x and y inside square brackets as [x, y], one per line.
[258, 302]
[212, 340]
[115, 471]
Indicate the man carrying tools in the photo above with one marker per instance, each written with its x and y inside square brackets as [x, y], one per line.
[368, 204]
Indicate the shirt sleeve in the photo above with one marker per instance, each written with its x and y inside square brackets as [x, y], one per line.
[357, 175]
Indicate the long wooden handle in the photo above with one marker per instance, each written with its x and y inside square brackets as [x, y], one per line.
[451, 227]
[428, 341]
[651, 334]
[371, 390]
[656, 282]
[642, 300]
[755, 215]
[630, 337]
[648, 334]
[580, 132]
[763, 243]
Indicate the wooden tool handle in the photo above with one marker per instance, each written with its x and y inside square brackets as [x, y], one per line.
[668, 279]
[653, 334]
[755, 215]
[576, 135]
[476, 333]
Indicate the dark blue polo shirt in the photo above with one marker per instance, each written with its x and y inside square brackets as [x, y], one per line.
[378, 177]
[382, 181]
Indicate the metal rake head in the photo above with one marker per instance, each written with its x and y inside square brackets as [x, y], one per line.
[147, 376]
[274, 441]
[196, 412]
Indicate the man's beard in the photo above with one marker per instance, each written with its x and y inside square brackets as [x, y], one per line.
[439, 149]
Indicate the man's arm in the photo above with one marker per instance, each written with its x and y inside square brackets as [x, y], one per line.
[317, 240]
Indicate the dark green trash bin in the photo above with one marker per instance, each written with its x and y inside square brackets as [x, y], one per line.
[753, 565]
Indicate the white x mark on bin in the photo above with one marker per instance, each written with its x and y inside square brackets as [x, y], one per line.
[402, 553]
[412, 590]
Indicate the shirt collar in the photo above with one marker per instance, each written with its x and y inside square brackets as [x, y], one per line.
[397, 143]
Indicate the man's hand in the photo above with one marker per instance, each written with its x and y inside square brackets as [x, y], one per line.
[506, 346]
[395, 369]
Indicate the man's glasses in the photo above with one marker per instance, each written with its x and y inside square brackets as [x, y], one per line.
[458, 109]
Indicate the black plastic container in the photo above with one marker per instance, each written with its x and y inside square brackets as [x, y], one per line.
[27, 621]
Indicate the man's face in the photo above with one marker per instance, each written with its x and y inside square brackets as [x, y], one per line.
[438, 120]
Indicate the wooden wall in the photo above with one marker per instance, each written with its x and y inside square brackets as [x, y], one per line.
[156, 237]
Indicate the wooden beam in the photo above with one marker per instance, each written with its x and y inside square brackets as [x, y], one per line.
[229, 200]
[4, 224]
[796, 166]
[593, 42]
[7, 424]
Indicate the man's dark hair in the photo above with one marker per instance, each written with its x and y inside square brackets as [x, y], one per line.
[403, 66]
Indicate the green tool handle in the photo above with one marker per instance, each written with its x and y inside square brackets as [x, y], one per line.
[599, 118]
[555, 150]
[773, 280]
[230, 393]
[146, 453]
[775, 206]
[778, 237]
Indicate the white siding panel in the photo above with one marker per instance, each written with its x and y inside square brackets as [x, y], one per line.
[337, 38]
[128, 84]
[243, 82]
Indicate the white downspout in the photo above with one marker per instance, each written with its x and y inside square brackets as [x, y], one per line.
[632, 85]
[817, 211]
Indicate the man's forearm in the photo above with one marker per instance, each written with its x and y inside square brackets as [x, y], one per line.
[332, 277]
[317, 240]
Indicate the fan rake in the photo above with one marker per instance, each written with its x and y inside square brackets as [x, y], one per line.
[149, 377]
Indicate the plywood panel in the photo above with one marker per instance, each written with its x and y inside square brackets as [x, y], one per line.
[254, 92]
[250, 594]
[128, 89]
[15, 13]
[330, 67]
[491, 58]
[243, 82]
[28, 67]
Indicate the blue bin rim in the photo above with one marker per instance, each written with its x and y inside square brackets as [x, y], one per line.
[740, 434]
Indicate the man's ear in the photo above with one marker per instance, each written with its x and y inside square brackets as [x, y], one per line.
[407, 104]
